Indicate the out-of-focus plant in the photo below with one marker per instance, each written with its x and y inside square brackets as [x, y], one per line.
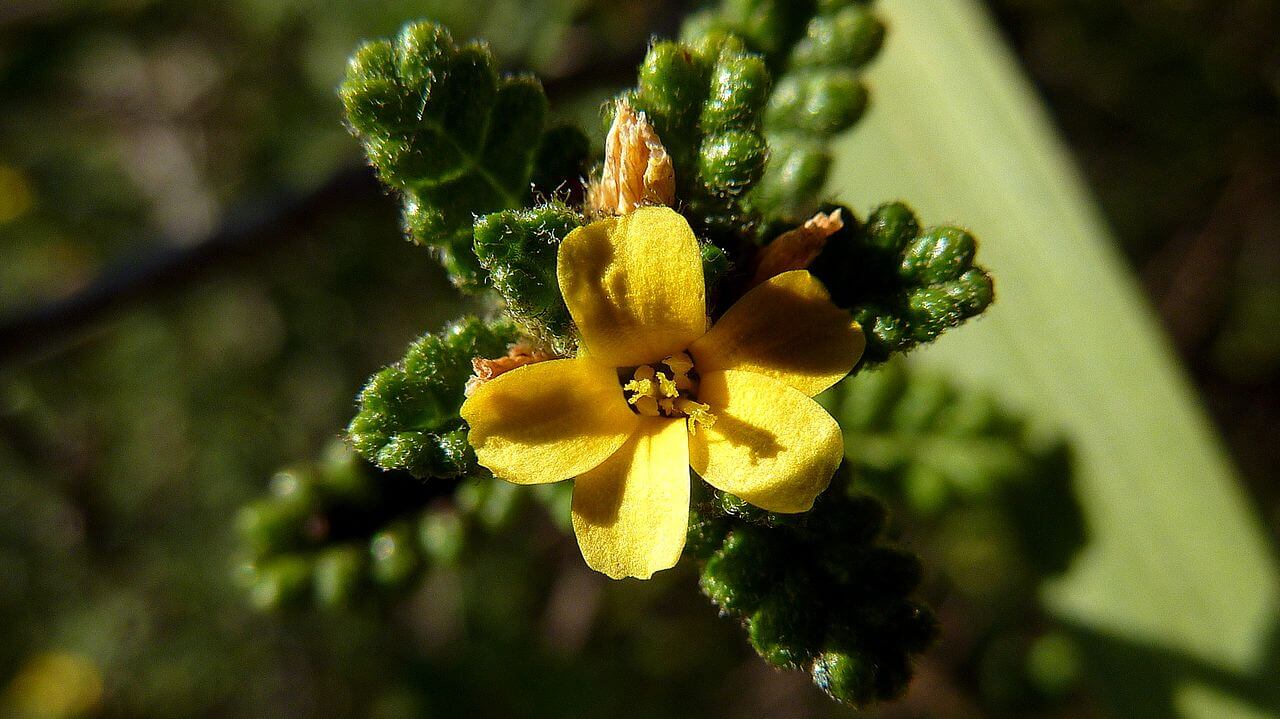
[733, 121]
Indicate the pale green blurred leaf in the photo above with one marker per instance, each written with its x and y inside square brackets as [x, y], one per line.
[1176, 561]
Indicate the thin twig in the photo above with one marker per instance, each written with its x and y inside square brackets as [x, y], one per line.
[246, 234]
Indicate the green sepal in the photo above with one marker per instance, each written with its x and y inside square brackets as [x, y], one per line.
[849, 36]
[408, 416]
[518, 249]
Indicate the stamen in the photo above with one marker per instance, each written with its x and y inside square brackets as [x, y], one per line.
[667, 387]
[641, 388]
[655, 393]
[645, 405]
[697, 412]
[681, 364]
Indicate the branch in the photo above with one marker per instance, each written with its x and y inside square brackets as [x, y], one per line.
[249, 233]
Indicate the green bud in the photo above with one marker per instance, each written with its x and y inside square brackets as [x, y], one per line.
[784, 630]
[847, 678]
[770, 27]
[427, 454]
[903, 286]
[793, 179]
[738, 92]
[270, 526]
[394, 560]
[706, 105]
[345, 478]
[932, 310]
[731, 161]
[281, 582]
[817, 103]
[890, 227]
[338, 574]
[938, 255]
[671, 89]
[740, 574]
[706, 534]
[849, 37]
[442, 535]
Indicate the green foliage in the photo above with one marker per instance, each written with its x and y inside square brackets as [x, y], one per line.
[903, 284]
[815, 51]
[408, 417]
[706, 103]
[934, 451]
[518, 250]
[337, 532]
[457, 140]
[988, 503]
[818, 591]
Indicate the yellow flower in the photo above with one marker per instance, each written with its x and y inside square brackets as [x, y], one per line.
[654, 392]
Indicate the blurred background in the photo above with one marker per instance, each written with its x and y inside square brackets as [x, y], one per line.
[196, 277]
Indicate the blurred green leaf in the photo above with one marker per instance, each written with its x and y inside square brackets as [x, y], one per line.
[1176, 561]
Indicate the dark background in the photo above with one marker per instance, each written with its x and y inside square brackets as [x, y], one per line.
[182, 312]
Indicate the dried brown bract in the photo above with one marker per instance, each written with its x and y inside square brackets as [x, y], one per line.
[637, 168]
[796, 249]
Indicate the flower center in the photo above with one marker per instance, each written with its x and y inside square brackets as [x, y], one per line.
[668, 389]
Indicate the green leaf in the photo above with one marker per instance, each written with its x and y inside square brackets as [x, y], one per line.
[706, 103]
[408, 416]
[819, 591]
[815, 51]
[518, 249]
[1177, 583]
[905, 286]
[441, 126]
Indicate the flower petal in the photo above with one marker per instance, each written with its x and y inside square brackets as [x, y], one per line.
[631, 513]
[548, 421]
[634, 286]
[786, 328]
[770, 444]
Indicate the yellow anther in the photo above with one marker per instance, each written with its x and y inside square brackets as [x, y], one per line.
[645, 405]
[640, 388]
[667, 386]
[697, 412]
[680, 365]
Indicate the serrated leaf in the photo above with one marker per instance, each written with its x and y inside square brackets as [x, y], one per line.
[442, 127]
[408, 417]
